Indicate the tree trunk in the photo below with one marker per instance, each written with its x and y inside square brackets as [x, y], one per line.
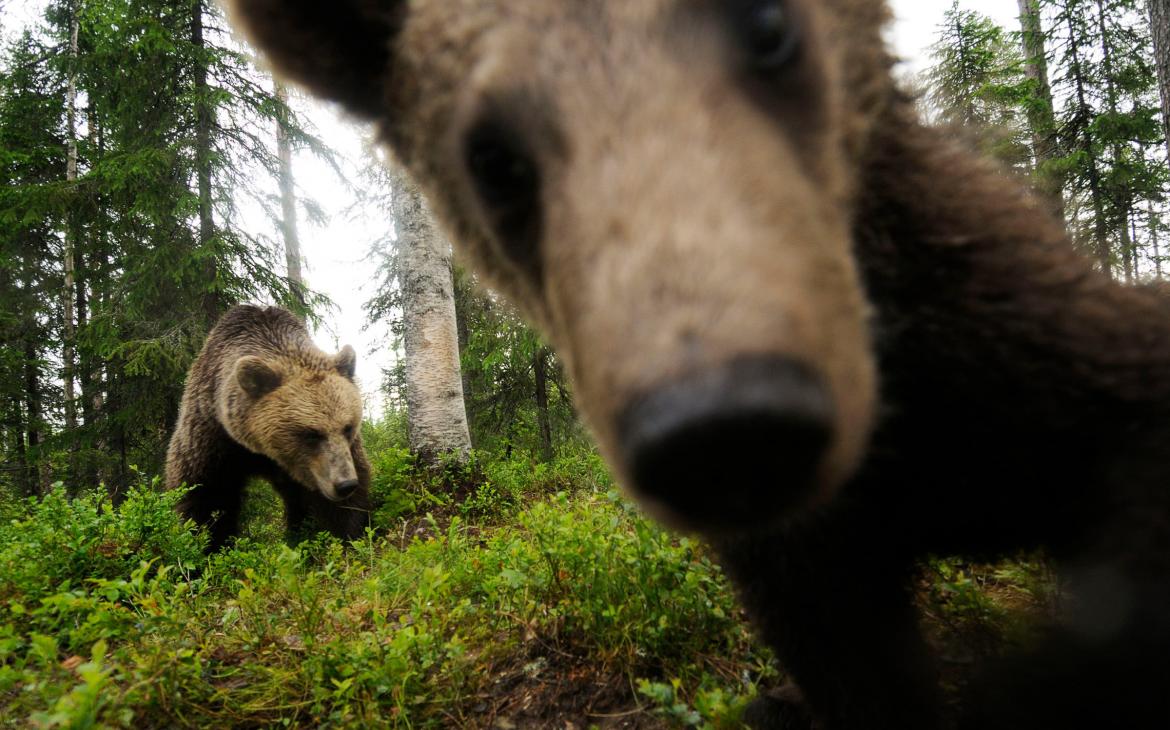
[1155, 241]
[90, 283]
[540, 369]
[436, 415]
[1122, 199]
[69, 336]
[288, 203]
[1041, 114]
[1100, 233]
[117, 476]
[36, 479]
[1128, 252]
[211, 304]
[28, 484]
[463, 295]
[1160, 30]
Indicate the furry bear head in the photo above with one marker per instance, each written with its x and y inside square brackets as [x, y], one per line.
[302, 415]
[666, 189]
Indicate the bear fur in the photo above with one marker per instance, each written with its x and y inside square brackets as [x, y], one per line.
[677, 212]
[262, 401]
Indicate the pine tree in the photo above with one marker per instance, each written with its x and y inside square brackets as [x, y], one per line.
[1108, 124]
[32, 171]
[138, 243]
[978, 82]
[1039, 106]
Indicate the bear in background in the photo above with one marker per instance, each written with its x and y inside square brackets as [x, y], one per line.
[262, 401]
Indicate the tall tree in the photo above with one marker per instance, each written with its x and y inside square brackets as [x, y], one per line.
[1108, 121]
[1159, 12]
[434, 388]
[1039, 105]
[517, 396]
[977, 82]
[213, 305]
[32, 172]
[68, 294]
[141, 223]
[288, 200]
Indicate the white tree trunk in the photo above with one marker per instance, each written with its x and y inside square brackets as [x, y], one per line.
[436, 416]
[288, 204]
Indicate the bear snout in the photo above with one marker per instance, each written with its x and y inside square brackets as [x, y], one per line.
[346, 488]
[736, 446]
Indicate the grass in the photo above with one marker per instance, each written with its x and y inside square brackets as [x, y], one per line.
[537, 598]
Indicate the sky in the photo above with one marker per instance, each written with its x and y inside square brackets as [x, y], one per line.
[335, 252]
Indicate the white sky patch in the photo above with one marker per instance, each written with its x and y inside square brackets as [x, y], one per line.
[335, 252]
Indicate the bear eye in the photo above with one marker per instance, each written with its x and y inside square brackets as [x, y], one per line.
[766, 32]
[311, 437]
[348, 432]
[507, 183]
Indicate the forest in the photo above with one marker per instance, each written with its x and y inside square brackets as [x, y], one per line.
[505, 581]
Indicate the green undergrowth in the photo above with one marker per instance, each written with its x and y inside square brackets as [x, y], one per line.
[502, 593]
[110, 617]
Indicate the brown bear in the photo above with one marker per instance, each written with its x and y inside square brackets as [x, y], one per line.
[262, 401]
[798, 321]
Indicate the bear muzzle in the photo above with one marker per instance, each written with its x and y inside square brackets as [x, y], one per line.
[346, 488]
[732, 447]
[334, 472]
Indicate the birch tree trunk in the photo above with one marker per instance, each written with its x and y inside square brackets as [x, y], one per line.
[288, 203]
[436, 416]
[1041, 114]
[1160, 29]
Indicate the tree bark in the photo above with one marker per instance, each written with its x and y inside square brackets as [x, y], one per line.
[1041, 110]
[463, 298]
[37, 479]
[210, 298]
[436, 415]
[1155, 240]
[69, 336]
[1160, 29]
[28, 484]
[288, 203]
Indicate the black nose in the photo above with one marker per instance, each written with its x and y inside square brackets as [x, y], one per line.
[346, 488]
[735, 446]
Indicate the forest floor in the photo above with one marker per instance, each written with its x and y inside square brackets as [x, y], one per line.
[539, 600]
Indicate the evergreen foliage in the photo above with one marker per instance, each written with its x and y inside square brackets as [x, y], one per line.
[174, 131]
[1109, 154]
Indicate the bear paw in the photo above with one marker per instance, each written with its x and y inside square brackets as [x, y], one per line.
[782, 708]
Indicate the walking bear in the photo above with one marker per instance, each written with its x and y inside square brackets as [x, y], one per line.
[798, 321]
[262, 401]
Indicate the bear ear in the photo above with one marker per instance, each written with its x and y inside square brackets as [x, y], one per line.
[257, 377]
[346, 362]
[338, 50]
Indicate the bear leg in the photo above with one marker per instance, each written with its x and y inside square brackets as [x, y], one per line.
[215, 506]
[783, 708]
[836, 609]
[1108, 663]
[1071, 682]
[306, 512]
